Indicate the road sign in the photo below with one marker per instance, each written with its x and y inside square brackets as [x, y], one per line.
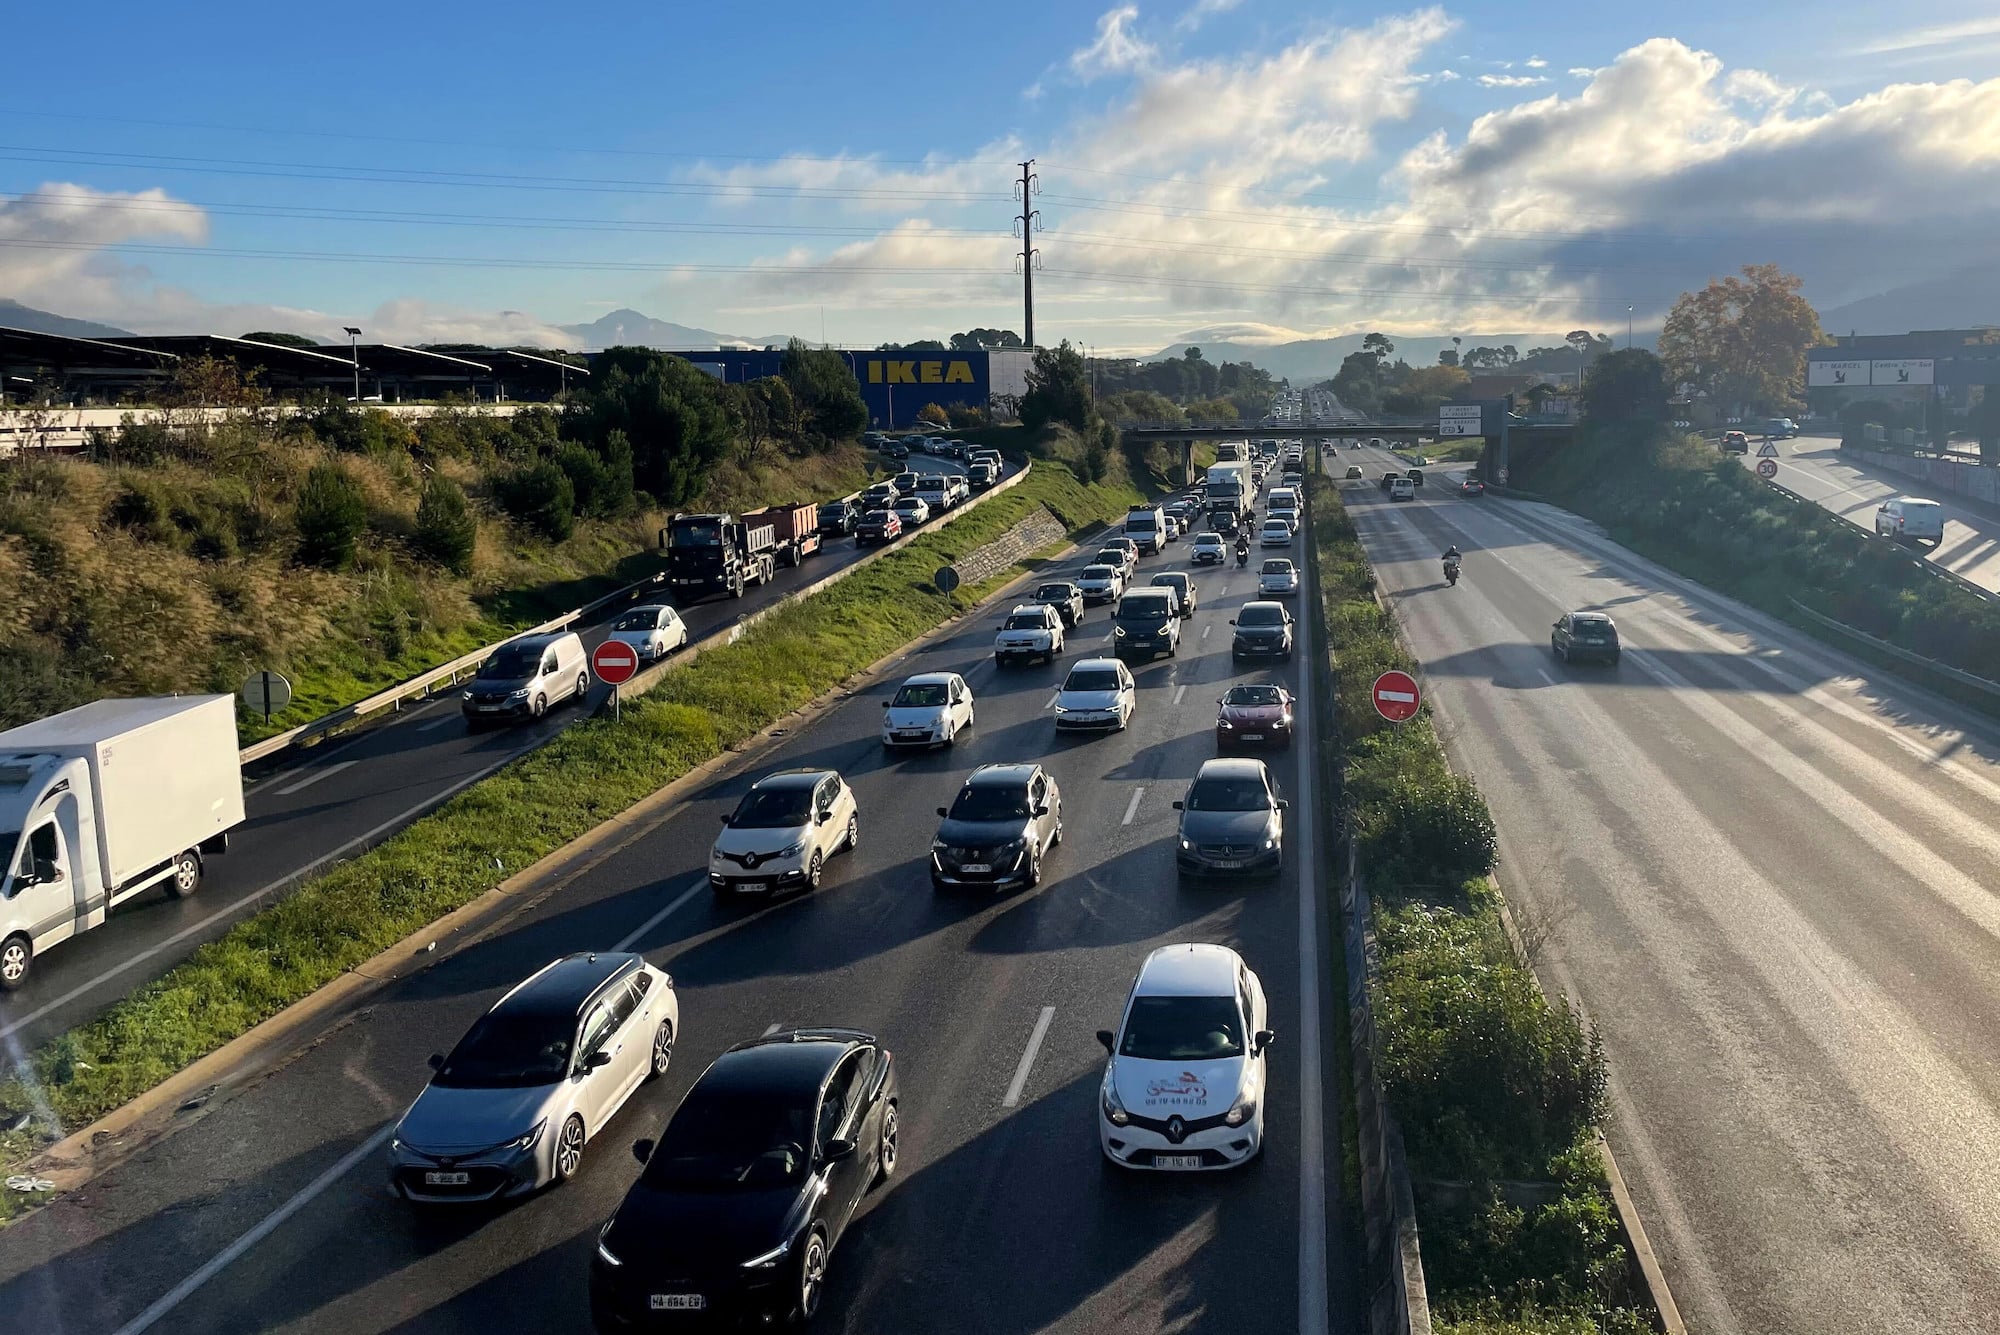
[614, 661]
[266, 693]
[1768, 450]
[1397, 696]
[1767, 468]
[946, 579]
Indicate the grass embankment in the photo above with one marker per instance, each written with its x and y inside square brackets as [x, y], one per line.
[1674, 500]
[586, 774]
[1497, 1091]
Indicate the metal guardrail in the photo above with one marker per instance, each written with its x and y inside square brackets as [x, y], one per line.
[1931, 568]
[1945, 670]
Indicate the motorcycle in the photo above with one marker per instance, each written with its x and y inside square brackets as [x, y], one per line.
[1242, 556]
[1451, 572]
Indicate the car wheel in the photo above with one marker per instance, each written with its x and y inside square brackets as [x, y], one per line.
[813, 872]
[885, 1159]
[971, 718]
[541, 705]
[950, 736]
[187, 876]
[582, 685]
[16, 954]
[569, 1149]
[1055, 840]
[812, 1277]
[663, 1050]
[852, 840]
[1034, 869]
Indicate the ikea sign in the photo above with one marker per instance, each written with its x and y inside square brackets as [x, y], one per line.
[918, 371]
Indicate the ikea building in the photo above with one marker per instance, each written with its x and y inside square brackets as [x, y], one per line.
[896, 383]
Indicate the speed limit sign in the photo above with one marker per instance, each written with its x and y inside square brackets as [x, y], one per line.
[1767, 469]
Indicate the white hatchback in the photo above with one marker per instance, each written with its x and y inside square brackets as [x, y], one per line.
[1184, 1084]
[653, 631]
[1098, 693]
[930, 709]
[783, 832]
[1279, 578]
[1275, 533]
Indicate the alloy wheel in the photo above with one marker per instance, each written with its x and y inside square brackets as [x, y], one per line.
[569, 1149]
[887, 1158]
[812, 1276]
[663, 1048]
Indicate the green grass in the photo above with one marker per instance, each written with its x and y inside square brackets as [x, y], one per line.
[585, 775]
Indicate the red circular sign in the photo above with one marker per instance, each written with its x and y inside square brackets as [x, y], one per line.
[614, 661]
[1767, 468]
[1397, 696]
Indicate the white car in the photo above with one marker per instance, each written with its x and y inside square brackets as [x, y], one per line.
[1210, 549]
[1101, 584]
[1402, 489]
[930, 709]
[936, 491]
[1173, 528]
[1098, 693]
[535, 1078]
[1031, 631]
[783, 831]
[1910, 519]
[1275, 533]
[1184, 1085]
[912, 511]
[653, 631]
[1289, 515]
[1278, 579]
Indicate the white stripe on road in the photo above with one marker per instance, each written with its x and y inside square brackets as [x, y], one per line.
[1312, 1129]
[1206, 629]
[1020, 1080]
[657, 918]
[1052, 699]
[179, 1294]
[1543, 673]
[1179, 691]
[1132, 807]
[439, 722]
[324, 771]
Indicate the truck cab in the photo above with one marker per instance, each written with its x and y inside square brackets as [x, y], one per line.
[718, 553]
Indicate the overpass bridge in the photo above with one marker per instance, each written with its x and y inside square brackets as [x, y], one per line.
[1394, 430]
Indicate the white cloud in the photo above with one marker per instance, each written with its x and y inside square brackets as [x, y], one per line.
[1583, 72]
[1943, 34]
[1759, 89]
[1117, 50]
[1201, 11]
[1446, 76]
[1536, 63]
[1511, 80]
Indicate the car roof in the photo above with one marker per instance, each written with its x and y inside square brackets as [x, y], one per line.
[1057, 584]
[1261, 602]
[931, 679]
[1232, 767]
[1211, 537]
[1096, 566]
[563, 987]
[1590, 616]
[791, 1061]
[1093, 663]
[1147, 593]
[541, 641]
[1009, 774]
[792, 778]
[1032, 609]
[1197, 969]
[1173, 577]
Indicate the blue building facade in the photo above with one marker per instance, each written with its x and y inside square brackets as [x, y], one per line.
[897, 383]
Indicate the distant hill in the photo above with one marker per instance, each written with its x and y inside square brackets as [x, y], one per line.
[13, 315]
[630, 328]
[1967, 300]
[1306, 360]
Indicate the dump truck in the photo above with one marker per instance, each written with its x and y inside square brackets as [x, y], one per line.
[795, 529]
[718, 553]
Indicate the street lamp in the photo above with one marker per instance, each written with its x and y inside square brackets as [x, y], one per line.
[354, 344]
[1628, 329]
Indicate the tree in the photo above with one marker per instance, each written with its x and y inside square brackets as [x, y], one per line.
[330, 513]
[1058, 389]
[540, 496]
[932, 414]
[972, 340]
[765, 411]
[828, 396]
[447, 530]
[1629, 385]
[282, 340]
[1138, 405]
[1378, 344]
[1359, 383]
[674, 416]
[1448, 356]
[1425, 388]
[601, 477]
[1743, 341]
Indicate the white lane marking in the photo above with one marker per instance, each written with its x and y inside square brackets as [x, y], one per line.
[773, 1028]
[308, 869]
[439, 722]
[1206, 629]
[1312, 1131]
[1179, 691]
[323, 772]
[175, 1296]
[1020, 1080]
[683, 897]
[1052, 699]
[1132, 807]
[1543, 673]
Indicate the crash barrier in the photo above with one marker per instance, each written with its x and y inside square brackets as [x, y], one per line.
[1022, 540]
[1930, 568]
[1946, 672]
[1939, 473]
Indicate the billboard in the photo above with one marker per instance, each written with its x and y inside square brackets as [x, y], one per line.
[1820, 373]
[1904, 371]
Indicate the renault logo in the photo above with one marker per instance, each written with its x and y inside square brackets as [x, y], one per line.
[1176, 1128]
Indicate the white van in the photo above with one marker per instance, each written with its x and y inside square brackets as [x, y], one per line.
[1402, 489]
[1910, 519]
[1146, 526]
[1283, 498]
[525, 676]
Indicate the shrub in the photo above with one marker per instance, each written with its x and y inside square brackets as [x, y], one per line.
[965, 415]
[1429, 832]
[601, 478]
[446, 526]
[329, 515]
[540, 496]
[932, 414]
[1557, 1268]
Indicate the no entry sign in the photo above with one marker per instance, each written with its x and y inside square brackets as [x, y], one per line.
[614, 661]
[1397, 696]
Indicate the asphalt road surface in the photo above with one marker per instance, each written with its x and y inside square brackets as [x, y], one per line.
[1769, 875]
[1814, 467]
[310, 808]
[1001, 1219]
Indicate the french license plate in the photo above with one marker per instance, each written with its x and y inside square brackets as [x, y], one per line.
[487, 709]
[678, 1302]
[753, 887]
[1176, 1161]
[1253, 736]
[910, 736]
[1226, 863]
[447, 1179]
[976, 867]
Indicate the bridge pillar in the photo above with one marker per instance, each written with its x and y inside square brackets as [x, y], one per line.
[1187, 463]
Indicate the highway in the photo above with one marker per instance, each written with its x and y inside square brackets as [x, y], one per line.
[1768, 874]
[271, 1212]
[310, 808]
[1814, 467]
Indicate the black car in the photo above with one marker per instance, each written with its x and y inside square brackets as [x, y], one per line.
[1232, 821]
[748, 1190]
[1583, 636]
[1147, 624]
[1263, 630]
[995, 833]
[1387, 478]
[1065, 597]
[878, 526]
[837, 519]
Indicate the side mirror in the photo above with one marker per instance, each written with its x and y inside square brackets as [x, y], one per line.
[1284, 804]
[942, 812]
[837, 1150]
[1232, 621]
[823, 818]
[887, 703]
[1108, 1039]
[1264, 1038]
[597, 1059]
[1042, 810]
[642, 1150]
[437, 1061]
[1179, 806]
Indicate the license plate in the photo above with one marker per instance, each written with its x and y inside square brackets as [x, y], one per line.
[977, 868]
[753, 886]
[1225, 862]
[487, 709]
[679, 1302]
[1176, 1161]
[447, 1179]
[1253, 736]
[911, 736]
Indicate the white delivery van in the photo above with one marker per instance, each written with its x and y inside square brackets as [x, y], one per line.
[104, 801]
[1910, 519]
[1146, 526]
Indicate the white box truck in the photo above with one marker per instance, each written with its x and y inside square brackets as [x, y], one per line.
[102, 802]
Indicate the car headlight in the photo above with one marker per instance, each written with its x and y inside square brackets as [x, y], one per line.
[1241, 1111]
[1010, 850]
[1062, 709]
[465, 695]
[792, 850]
[1270, 842]
[1117, 632]
[769, 1260]
[527, 1140]
[1225, 725]
[604, 1253]
[521, 694]
[1187, 845]
[1114, 1111]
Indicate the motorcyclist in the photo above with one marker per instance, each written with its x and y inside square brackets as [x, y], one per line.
[1242, 547]
[1451, 560]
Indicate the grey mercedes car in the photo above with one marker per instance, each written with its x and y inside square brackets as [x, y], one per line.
[1232, 821]
[996, 832]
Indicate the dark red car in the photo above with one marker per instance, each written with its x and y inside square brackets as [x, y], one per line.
[1254, 715]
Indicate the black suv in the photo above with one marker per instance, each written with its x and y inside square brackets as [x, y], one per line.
[837, 519]
[1147, 624]
[995, 834]
[1263, 630]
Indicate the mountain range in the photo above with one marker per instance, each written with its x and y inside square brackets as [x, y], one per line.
[1968, 300]
[13, 315]
[1307, 360]
[629, 328]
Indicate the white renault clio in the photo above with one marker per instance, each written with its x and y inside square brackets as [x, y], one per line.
[930, 709]
[1184, 1087]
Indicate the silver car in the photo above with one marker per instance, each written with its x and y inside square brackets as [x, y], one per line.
[535, 1079]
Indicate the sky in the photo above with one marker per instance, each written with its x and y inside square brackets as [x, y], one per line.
[1257, 170]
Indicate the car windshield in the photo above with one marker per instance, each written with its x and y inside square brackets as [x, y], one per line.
[1228, 792]
[1591, 626]
[772, 808]
[646, 619]
[511, 662]
[991, 801]
[1145, 609]
[1253, 695]
[1026, 621]
[920, 695]
[1054, 593]
[1092, 679]
[1208, 540]
[1181, 1029]
[731, 1141]
[1261, 616]
[833, 510]
[505, 1051]
[1277, 567]
[1111, 556]
[1097, 572]
[1178, 583]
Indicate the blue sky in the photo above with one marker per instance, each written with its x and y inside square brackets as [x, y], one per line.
[1264, 168]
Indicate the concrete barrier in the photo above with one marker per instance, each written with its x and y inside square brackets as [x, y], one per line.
[1957, 476]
